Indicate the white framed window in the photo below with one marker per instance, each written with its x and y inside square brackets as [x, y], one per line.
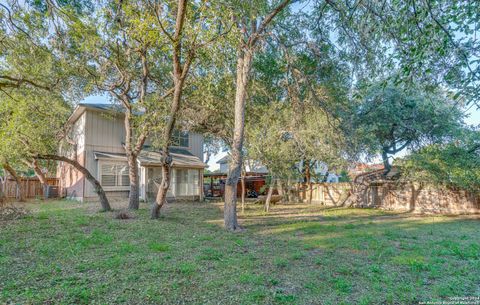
[187, 181]
[114, 175]
[180, 138]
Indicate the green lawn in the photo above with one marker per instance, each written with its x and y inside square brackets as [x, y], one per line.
[65, 252]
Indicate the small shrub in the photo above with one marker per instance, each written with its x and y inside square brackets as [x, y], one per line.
[123, 215]
[342, 285]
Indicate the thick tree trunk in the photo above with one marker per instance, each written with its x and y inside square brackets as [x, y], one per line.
[161, 198]
[179, 74]
[38, 172]
[269, 194]
[243, 191]
[97, 187]
[134, 195]
[132, 153]
[40, 175]
[386, 163]
[20, 196]
[310, 192]
[167, 160]
[3, 197]
[308, 179]
[280, 190]
[290, 191]
[244, 61]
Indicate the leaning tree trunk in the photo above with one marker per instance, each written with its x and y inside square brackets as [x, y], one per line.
[244, 61]
[269, 195]
[180, 72]
[161, 198]
[134, 194]
[167, 159]
[386, 163]
[97, 187]
[38, 172]
[20, 196]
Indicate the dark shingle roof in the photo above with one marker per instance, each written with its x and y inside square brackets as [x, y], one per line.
[153, 158]
[102, 106]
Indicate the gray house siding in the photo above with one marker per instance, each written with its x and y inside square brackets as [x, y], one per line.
[105, 133]
[101, 131]
[196, 145]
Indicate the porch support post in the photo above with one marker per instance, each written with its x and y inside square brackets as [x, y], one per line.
[200, 175]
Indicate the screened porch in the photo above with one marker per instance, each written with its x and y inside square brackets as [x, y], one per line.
[184, 182]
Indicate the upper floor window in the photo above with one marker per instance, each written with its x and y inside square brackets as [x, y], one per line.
[180, 138]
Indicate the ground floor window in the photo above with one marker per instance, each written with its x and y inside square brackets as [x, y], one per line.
[187, 181]
[114, 175]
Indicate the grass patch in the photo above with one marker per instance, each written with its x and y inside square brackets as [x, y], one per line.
[64, 252]
[158, 247]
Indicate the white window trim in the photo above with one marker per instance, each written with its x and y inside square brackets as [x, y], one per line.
[99, 170]
[189, 142]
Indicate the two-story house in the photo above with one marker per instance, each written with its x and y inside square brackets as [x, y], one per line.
[99, 135]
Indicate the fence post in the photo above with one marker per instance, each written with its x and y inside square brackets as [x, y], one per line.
[322, 194]
[27, 195]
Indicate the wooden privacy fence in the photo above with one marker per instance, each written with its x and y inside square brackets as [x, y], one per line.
[31, 187]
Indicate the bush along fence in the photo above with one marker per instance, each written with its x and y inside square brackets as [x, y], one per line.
[408, 197]
[31, 188]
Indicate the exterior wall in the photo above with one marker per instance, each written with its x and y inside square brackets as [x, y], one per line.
[104, 133]
[223, 167]
[78, 132]
[196, 144]
[72, 182]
